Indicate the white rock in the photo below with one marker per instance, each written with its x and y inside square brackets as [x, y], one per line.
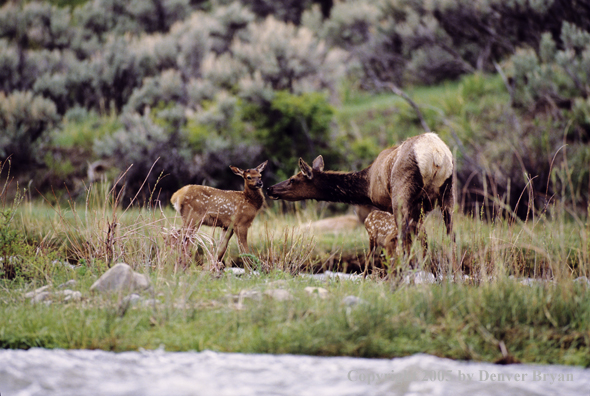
[279, 294]
[43, 296]
[582, 280]
[37, 291]
[120, 277]
[74, 296]
[420, 277]
[333, 275]
[132, 299]
[235, 271]
[316, 291]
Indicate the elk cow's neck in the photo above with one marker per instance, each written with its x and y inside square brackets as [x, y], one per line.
[346, 187]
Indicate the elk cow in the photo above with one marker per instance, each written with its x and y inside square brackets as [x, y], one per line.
[408, 180]
[230, 210]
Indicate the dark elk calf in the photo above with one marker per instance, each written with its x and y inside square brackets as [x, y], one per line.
[408, 180]
[230, 210]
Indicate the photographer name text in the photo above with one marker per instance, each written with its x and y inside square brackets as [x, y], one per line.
[371, 377]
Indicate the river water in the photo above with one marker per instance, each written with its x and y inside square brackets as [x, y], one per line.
[160, 373]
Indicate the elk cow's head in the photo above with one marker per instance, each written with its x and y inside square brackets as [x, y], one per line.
[303, 185]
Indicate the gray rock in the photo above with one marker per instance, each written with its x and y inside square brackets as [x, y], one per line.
[240, 272]
[43, 296]
[582, 280]
[235, 271]
[419, 277]
[36, 292]
[252, 294]
[120, 278]
[73, 296]
[71, 282]
[351, 301]
[132, 299]
[329, 275]
[140, 281]
[150, 302]
[279, 294]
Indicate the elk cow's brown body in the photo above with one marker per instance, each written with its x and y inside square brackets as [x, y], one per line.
[407, 180]
[230, 210]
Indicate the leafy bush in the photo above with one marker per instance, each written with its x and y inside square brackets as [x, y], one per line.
[81, 127]
[140, 146]
[286, 10]
[165, 88]
[350, 23]
[427, 41]
[35, 25]
[554, 78]
[286, 57]
[24, 119]
[9, 66]
[293, 126]
[12, 247]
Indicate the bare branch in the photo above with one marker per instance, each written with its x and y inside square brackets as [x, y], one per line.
[506, 82]
[398, 91]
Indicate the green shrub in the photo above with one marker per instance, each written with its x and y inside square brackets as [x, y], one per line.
[11, 246]
[81, 127]
[140, 146]
[164, 88]
[350, 23]
[293, 126]
[24, 120]
[552, 77]
[220, 136]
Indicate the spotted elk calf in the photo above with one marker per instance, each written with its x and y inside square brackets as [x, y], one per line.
[233, 211]
[382, 232]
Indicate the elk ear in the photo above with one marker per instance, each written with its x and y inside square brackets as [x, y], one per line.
[237, 171]
[262, 166]
[305, 169]
[318, 164]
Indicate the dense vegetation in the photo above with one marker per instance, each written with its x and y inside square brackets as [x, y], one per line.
[523, 301]
[185, 88]
[146, 96]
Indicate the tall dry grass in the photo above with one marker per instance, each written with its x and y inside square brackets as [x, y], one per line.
[96, 232]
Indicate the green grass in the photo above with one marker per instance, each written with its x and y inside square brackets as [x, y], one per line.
[195, 311]
[368, 123]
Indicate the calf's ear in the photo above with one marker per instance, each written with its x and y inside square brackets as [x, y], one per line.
[262, 166]
[237, 171]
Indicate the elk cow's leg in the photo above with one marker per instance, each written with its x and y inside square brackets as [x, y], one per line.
[408, 212]
[406, 186]
[448, 201]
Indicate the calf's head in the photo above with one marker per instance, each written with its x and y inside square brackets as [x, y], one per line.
[252, 177]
